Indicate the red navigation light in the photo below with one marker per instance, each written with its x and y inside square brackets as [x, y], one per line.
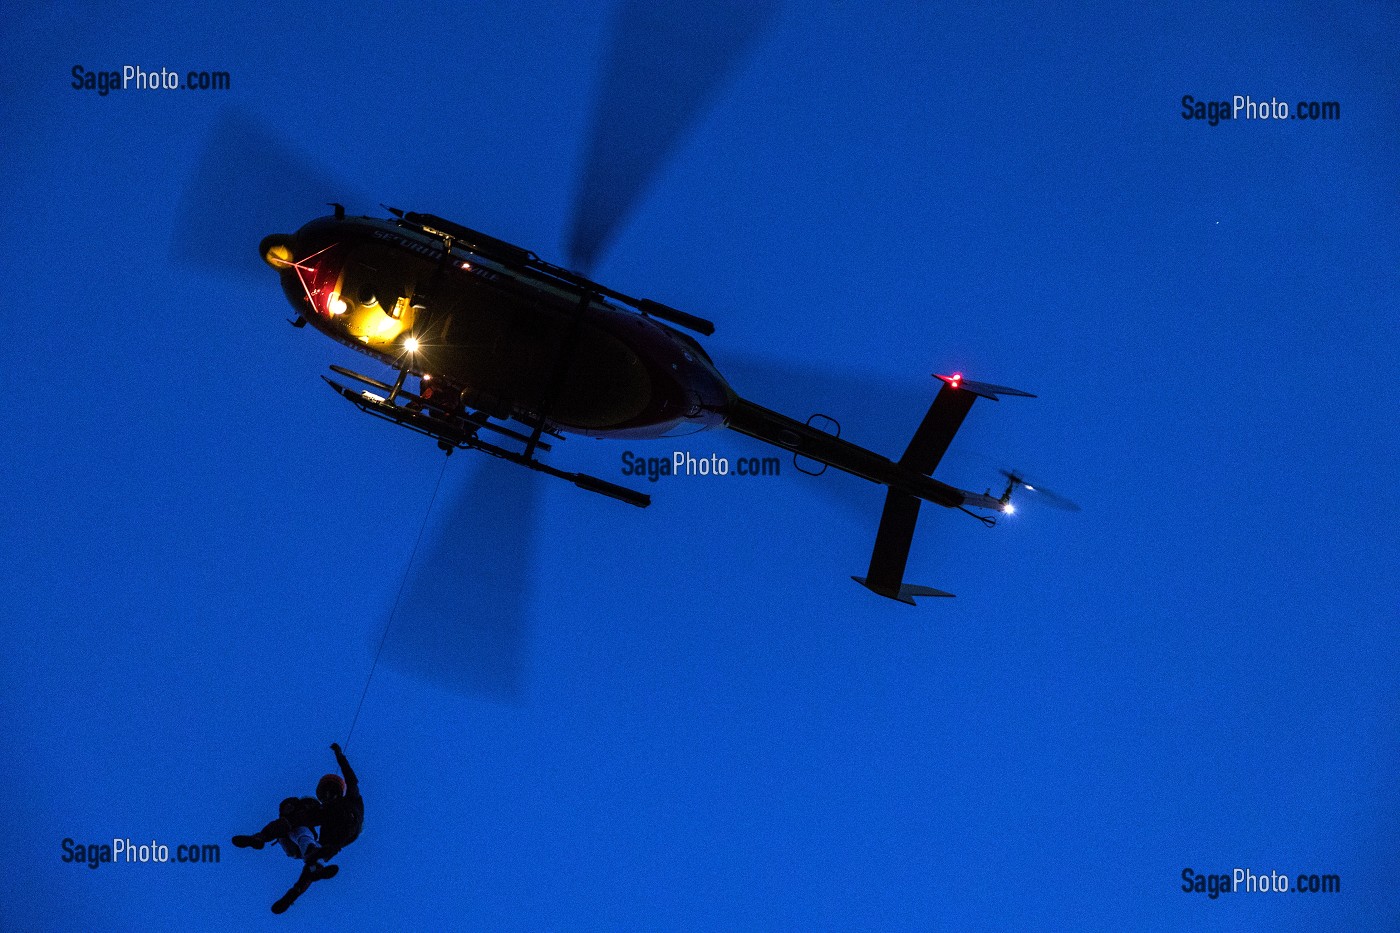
[319, 274]
[954, 379]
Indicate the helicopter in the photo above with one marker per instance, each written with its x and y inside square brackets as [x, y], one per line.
[494, 335]
[468, 609]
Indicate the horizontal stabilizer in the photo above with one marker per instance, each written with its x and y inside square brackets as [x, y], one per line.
[935, 432]
[886, 573]
[922, 456]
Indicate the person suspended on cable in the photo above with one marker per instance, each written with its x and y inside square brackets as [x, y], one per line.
[339, 812]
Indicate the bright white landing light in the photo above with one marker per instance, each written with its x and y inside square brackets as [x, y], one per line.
[411, 344]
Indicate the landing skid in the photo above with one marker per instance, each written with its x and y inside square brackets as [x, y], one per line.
[454, 431]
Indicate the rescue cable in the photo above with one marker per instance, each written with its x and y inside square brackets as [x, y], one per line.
[397, 600]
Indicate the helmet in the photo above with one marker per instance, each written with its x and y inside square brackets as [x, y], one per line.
[330, 787]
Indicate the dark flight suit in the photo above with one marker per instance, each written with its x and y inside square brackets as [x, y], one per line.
[342, 819]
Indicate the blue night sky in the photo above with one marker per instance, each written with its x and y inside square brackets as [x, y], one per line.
[688, 717]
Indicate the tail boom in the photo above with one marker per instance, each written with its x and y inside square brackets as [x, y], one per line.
[778, 429]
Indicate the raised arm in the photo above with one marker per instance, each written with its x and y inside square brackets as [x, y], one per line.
[352, 784]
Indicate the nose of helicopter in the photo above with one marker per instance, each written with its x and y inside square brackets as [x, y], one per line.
[276, 250]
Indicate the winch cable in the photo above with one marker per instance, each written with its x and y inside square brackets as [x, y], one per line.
[398, 599]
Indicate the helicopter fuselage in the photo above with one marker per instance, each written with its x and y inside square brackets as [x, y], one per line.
[513, 341]
[509, 336]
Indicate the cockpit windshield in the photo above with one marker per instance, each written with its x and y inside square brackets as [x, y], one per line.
[349, 287]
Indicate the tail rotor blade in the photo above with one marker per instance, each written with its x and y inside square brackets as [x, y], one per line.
[1055, 500]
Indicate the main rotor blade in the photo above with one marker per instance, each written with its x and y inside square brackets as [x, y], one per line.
[249, 183]
[665, 62]
[462, 622]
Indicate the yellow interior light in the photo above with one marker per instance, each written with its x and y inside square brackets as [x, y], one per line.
[278, 255]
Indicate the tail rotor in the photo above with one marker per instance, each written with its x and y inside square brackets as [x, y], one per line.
[1016, 479]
